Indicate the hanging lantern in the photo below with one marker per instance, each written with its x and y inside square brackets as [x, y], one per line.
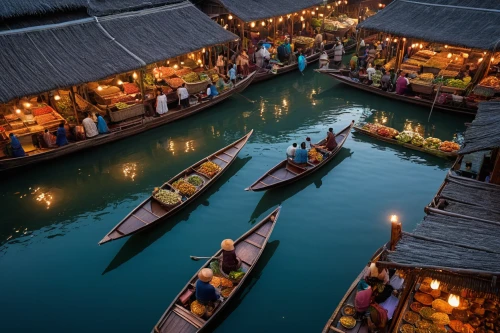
[203, 51]
[182, 62]
[263, 23]
[454, 300]
[271, 20]
[328, 6]
[387, 39]
[449, 55]
[313, 13]
[252, 24]
[395, 40]
[404, 39]
[175, 66]
[99, 88]
[421, 46]
[302, 18]
[281, 19]
[303, 12]
[120, 82]
[18, 110]
[230, 17]
[446, 46]
[134, 75]
[57, 97]
[199, 61]
[435, 284]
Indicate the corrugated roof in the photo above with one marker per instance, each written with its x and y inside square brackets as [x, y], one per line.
[484, 132]
[468, 23]
[251, 10]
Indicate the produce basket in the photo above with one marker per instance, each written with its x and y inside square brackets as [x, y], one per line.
[130, 112]
[168, 206]
[422, 88]
[196, 87]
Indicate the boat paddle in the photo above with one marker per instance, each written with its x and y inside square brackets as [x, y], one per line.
[198, 258]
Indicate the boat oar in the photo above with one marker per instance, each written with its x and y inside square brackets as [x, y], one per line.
[198, 258]
[248, 99]
[435, 99]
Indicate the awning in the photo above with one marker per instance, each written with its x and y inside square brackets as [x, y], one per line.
[251, 10]
[38, 59]
[484, 131]
[467, 23]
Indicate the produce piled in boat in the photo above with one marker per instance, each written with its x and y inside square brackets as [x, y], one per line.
[191, 77]
[315, 156]
[432, 143]
[184, 187]
[167, 197]
[449, 146]
[209, 169]
[195, 180]
[198, 309]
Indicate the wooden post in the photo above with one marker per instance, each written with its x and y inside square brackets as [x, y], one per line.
[141, 81]
[228, 56]
[242, 24]
[73, 101]
[495, 174]
[395, 232]
[358, 40]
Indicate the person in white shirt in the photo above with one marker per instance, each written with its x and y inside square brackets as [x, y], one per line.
[209, 93]
[90, 127]
[370, 71]
[290, 151]
[183, 94]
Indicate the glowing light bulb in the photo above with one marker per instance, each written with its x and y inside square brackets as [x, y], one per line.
[27, 105]
[263, 23]
[313, 13]
[99, 88]
[454, 300]
[446, 46]
[230, 17]
[449, 55]
[421, 46]
[199, 61]
[271, 20]
[18, 110]
[435, 284]
[57, 97]
[387, 39]
[134, 75]
[303, 12]
[252, 24]
[175, 66]
[120, 82]
[302, 18]
[182, 62]
[203, 51]
[281, 19]
[395, 40]
[394, 218]
[328, 6]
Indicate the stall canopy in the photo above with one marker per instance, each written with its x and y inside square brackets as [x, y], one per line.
[467, 23]
[42, 58]
[18, 8]
[482, 134]
[251, 10]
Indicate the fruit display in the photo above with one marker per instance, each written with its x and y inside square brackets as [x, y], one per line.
[372, 128]
[432, 143]
[426, 312]
[437, 63]
[226, 283]
[417, 140]
[215, 282]
[416, 306]
[167, 197]
[209, 169]
[130, 88]
[198, 309]
[191, 77]
[448, 146]
[407, 328]
[42, 110]
[149, 79]
[195, 180]
[440, 318]
[405, 136]
[314, 155]
[387, 132]
[184, 187]
[175, 82]
[45, 118]
[491, 81]
[183, 71]
[455, 83]
[426, 77]
[164, 72]
[121, 105]
[442, 306]
[448, 73]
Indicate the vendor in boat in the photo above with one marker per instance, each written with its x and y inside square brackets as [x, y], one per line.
[61, 139]
[90, 127]
[232, 73]
[17, 148]
[102, 127]
[353, 63]
[290, 151]
[230, 262]
[401, 84]
[49, 138]
[363, 297]
[301, 154]
[205, 292]
[385, 82]
[338, 54]
[244, 63]
[330, 141]
[183, 94]
[318, 42]
[376, 274]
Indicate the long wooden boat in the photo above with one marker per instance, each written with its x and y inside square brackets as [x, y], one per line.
[249, 247]
[434, 152]
[125, 130]
[333, 325]
[150, 212]
[264, 74]
[285, 173]
[417, 101]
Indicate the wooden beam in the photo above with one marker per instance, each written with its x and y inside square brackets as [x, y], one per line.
[495, 174]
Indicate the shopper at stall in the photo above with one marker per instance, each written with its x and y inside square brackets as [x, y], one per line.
[183, 94]
[89, 126]
[161, 103]
[49, 138]
[220, 63]
[102, 127]
[244, 63]
[61, 139]
[401, 84]
[17, 148]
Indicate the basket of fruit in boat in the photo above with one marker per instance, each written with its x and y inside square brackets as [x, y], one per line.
[209, 169]
[184, 188]
[194, 84]
[315, 156]
[167, 198]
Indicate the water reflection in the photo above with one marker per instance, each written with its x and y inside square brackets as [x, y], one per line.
[139, 242]
[278, 196]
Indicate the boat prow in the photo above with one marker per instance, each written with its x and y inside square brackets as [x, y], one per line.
[150, 211]
[249, 247]
[285, 173]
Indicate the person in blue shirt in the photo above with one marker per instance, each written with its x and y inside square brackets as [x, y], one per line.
[205, 292]
[213, 90]
[102, 127]
[301, 154]
[232, 73]
[17, 148]
[61, 139]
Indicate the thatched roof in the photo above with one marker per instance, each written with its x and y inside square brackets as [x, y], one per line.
[468, 23]
[108, 7]
[484, 132]
[38, 59]
[479, 194]
[251, 10]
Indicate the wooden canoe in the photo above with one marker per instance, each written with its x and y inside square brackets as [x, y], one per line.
[417, 101]
[333, 325]
[264, 74]
[249, 247]
[150, 212]
[125, 130]
[285, 173]
[435, 152]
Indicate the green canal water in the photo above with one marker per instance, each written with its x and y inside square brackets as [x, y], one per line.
[55, 278]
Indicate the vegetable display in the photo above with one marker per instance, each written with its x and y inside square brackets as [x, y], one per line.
[215, 267]
[432, 143]
[195, 180]
[167, 197]
[226, 292]
[183, 71]
[417, 140]
[121, 105]
[209, 168]
[457, 83]
[238, 275]
[191, 77]
[42, 110]
[491, 81]
[184, 187]
[130, 88]
[448, 146]
[405, 136]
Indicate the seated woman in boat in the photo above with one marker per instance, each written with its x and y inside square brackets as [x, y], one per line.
[17, 148]
[50, 139]
[376, 274]
[330, 141]
[205, 292]
[102, 127]
[230, 262]
[61, 139]
[363, 297]
[401, 84]
[301, 154]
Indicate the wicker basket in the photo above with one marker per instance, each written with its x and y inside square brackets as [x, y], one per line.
[164, 204]
[124, 114]
[196, 87]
